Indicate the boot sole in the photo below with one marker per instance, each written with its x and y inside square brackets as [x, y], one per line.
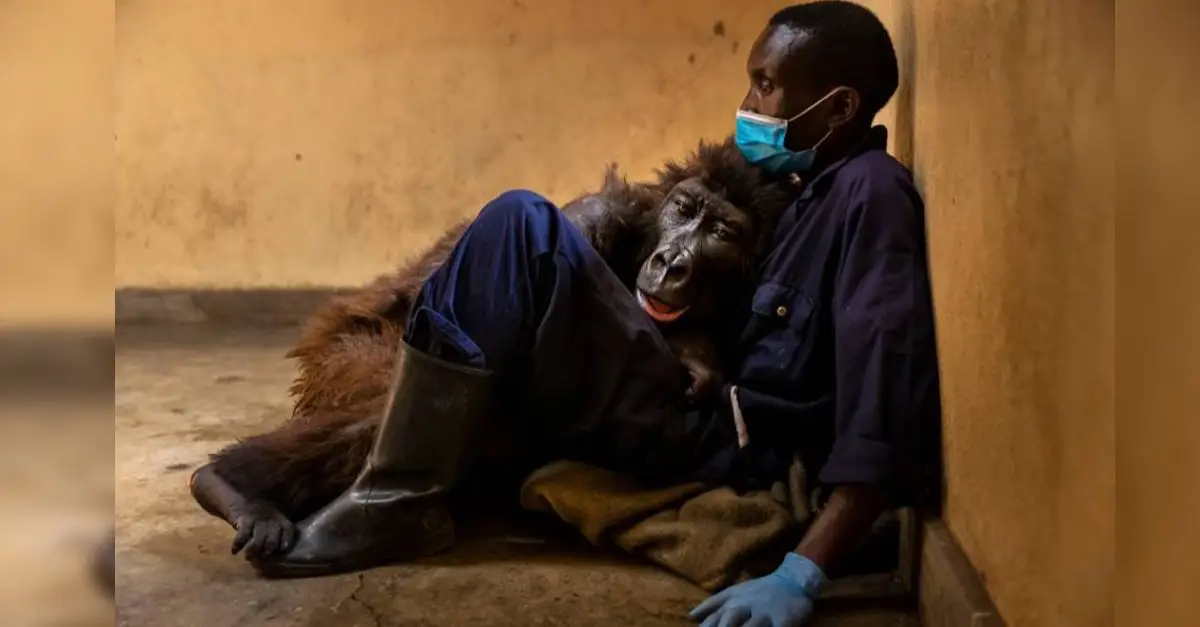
[433, 543]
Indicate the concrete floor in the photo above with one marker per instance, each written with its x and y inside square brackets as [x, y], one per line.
[183, 393]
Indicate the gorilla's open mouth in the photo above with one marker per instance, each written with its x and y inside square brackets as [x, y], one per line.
[660, 311]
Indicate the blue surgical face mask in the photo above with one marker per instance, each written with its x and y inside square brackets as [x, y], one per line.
[760, 139]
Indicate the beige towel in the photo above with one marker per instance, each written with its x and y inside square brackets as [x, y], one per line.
[714, 537]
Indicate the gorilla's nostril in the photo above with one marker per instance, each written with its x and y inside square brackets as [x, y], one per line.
[674, 265]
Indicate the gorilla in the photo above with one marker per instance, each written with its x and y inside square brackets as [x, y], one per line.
[687, 243]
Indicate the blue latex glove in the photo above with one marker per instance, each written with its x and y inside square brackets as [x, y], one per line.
[783, 598]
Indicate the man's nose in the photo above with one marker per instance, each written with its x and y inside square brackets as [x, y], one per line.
[750, 102]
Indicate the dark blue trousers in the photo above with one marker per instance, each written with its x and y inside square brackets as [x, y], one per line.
[585, 373]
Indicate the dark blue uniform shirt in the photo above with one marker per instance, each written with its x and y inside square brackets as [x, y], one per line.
[837, 359]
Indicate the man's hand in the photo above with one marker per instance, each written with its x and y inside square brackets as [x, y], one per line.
[783, 598]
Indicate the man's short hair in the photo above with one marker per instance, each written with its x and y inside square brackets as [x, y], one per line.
[854, 48]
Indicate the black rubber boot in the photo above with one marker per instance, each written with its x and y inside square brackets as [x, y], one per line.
[395, 511]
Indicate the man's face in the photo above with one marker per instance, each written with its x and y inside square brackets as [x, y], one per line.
[781, 86]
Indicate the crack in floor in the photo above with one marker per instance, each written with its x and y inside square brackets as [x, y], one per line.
[371, 611]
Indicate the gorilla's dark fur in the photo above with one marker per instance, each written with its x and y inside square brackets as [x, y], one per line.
[347, 350]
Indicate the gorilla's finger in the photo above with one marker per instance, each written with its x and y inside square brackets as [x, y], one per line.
[289, 537]
[271, 538]
[254, 548]
[245, 531]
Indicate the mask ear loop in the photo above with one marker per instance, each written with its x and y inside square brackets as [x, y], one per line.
[822, 140]
[814, 105]
[810, 108]
[796, 179]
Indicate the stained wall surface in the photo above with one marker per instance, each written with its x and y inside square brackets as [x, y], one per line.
[1159, 342]
[56, 168]
[319, 142]
[1012, 142]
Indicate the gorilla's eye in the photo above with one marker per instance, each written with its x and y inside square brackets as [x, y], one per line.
[687, 206]
[723, 232]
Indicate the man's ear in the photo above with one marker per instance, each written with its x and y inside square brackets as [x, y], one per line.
[843, 106]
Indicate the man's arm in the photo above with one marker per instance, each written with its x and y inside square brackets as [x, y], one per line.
[842, 524]
[886, 370]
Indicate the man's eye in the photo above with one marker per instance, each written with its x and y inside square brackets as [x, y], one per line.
[765, 86]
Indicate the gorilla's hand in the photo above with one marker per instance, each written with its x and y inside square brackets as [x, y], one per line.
[706, 380]
[261, 530]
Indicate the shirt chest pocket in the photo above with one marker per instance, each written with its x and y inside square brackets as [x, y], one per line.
[776, 336]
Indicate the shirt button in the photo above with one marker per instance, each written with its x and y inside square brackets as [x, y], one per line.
[781, 311]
